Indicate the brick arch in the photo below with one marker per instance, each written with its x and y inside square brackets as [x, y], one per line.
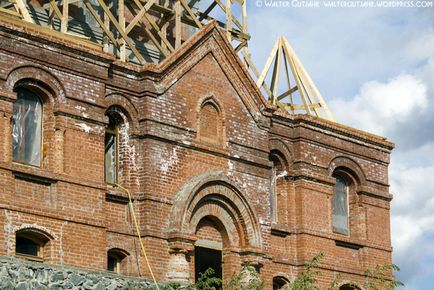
[40, 231]
[214, 194]
[40, 75]
[349, 166]
[209, 100]
[121, 101]
[212, 208]
[277, 145]
[349, 285]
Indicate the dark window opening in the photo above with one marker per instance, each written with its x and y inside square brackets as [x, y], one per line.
[27, 246]
[279, 283]
[30, 244]
[348, 287]
[112, 263]
[116, 260]
[204, 259]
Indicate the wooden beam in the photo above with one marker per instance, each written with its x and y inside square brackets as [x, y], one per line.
[101, 23]
[65, 16]
[121, 19]
[252, 67]
[177, 24]
[139, 15]
[287, 93]
[270, 58]
[56, 9]
[192, 15]
[120, 30]
[22, 7]
[155, 26]
[207, 11]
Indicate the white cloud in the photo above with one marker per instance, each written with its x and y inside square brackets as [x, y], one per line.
[375, 68]
[379, 105]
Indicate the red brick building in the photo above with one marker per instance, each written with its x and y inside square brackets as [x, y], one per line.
[213, 169]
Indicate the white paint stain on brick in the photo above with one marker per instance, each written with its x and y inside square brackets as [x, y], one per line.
[84, 127]
[231, 167]
[9, 230]
[282, 174]
[172, 160]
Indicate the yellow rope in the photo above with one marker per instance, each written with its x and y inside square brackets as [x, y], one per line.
[138, 233]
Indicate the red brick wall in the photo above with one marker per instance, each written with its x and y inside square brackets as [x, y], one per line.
[196, 144]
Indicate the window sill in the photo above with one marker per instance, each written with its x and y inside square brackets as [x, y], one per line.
[33, 176]
[349, 245]
[29, 257]
[117, 195]
[280, 230]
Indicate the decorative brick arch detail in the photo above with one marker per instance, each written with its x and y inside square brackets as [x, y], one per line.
[278, 145]
[210, 100]
[121, 101]
[349, 166]
[214, 195]
[38, 230]
[56, 91]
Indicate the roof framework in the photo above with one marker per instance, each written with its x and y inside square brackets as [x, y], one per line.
[298, 92]
[164, 24]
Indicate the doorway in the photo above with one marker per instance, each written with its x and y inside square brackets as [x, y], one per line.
[205, 258]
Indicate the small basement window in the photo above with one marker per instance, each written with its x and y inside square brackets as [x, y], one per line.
[30, 245]
[115, 260]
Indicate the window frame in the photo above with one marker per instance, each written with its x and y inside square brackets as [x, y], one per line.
[40, 239]
[345, 180]
[119, 255]
[41, 124]
[114, 132]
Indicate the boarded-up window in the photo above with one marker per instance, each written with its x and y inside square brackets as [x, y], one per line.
[27, 128]
[340, 206]
[209, 123]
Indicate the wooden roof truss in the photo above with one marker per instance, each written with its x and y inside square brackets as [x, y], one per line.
[152, 16]
[156, 19]
[283, 63]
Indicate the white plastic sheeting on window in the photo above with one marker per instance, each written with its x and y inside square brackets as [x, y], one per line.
[340, 206]
[27, 128]
[110, 158]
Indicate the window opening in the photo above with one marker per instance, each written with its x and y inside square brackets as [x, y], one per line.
[27, 128]
[111, 152]
[205, 258]
[340, 206]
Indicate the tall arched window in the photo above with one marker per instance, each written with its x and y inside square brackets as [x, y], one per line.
[111, 151]
[278, 194]
[340, 206]
[27, 128]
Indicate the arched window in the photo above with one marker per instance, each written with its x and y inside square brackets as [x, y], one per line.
[115, 260]
[349, 287]
[29, 244]
[111, 151]
[27, 128]
[210, 123]
[278, 192]
[340, 206]
[279, 282]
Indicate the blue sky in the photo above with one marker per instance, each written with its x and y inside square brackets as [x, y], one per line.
[375, 68]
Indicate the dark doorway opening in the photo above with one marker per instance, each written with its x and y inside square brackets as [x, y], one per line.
[205, 258]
